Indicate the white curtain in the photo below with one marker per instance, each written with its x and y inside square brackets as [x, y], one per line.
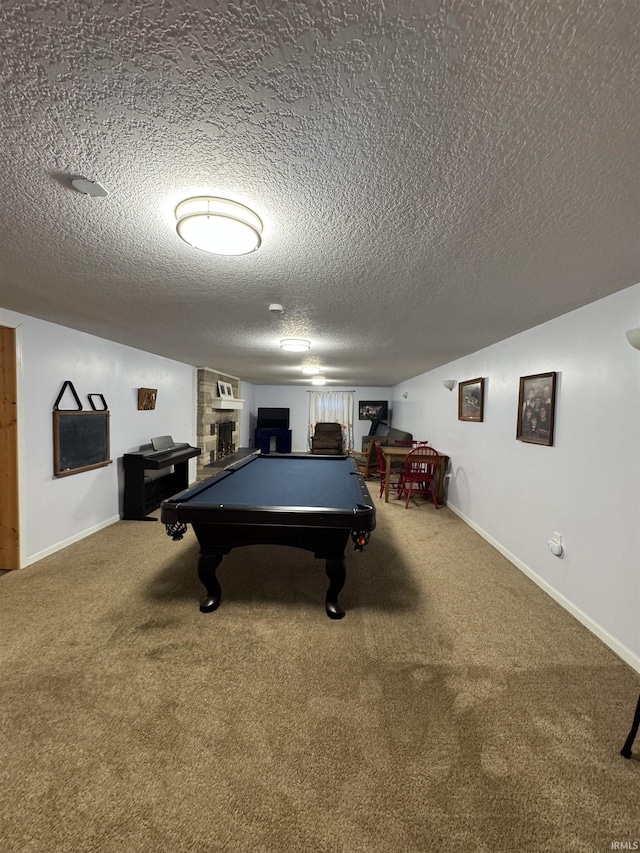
[332, 407]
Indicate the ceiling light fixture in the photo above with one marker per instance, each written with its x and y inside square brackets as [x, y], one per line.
[311, 371]
[318, 380]
[295, 345]
[218, 225]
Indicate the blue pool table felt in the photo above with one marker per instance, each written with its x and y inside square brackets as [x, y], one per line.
[300, 482]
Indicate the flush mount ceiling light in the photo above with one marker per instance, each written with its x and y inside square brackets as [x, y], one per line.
[318, 380]
[295, 345]
[310, 371]
[218, 225]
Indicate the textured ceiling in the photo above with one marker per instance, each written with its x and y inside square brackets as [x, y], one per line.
[433, 176]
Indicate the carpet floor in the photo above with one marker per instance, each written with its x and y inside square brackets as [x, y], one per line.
[455, 707]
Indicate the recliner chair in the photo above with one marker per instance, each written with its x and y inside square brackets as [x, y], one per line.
[327, 439]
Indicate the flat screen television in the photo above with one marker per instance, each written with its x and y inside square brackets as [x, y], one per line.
[273, 419]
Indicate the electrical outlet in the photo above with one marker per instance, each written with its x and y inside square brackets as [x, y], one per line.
[555, 545]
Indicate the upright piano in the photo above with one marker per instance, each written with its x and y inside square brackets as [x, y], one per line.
[144, 491]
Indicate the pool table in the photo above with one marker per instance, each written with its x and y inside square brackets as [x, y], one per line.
[316, 503]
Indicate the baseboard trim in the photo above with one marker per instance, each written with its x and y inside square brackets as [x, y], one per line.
[620, 650]
[33, 558]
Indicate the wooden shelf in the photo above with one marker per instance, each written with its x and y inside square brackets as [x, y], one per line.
[226, 403]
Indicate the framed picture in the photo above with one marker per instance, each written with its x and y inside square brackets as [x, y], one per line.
[373, 410]
[471, 400]
[146, 399]
[225, 390]
[536, 408]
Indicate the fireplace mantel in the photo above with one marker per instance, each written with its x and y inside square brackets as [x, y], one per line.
[226, 403]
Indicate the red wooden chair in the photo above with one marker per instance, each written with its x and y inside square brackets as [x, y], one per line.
[419, 471]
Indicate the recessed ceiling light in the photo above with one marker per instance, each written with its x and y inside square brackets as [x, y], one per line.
[218, 225]
[318, 380]
[310, 371]
[295, 345]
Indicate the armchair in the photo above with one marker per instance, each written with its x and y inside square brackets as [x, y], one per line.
[327, 439]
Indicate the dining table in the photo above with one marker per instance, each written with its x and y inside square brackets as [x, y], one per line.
[398, 453]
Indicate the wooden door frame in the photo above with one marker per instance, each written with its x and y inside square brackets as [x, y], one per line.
[9, 489]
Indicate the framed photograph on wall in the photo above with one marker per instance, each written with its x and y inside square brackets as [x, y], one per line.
[372, 410]
[147, 399]
[225, 390]
[471, 400]
[536, 409]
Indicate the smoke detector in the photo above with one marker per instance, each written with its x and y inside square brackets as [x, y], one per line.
[86, 187]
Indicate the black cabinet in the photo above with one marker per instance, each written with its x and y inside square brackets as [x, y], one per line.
[282, 437]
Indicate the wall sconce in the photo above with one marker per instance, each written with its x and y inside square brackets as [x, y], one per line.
[218, 225]
[449, 384]
[405, 394]
[633, 336]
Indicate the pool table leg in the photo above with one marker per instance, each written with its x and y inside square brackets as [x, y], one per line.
[337, 573]
[626, 749]
[207, 566]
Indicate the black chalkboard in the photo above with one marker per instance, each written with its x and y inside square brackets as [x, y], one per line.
[80, 441]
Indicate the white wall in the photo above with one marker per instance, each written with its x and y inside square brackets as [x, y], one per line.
[586, 487]
[296, 399]
[57, 511]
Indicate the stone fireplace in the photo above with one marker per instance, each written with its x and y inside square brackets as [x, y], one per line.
[218, 420]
